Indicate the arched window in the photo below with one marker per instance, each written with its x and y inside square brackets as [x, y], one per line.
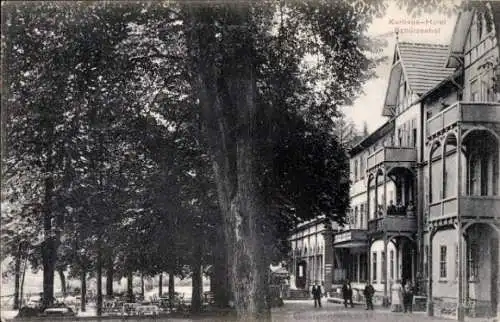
[495, 174]
[474, 182]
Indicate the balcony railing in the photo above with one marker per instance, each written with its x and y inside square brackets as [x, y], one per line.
[470, 206]
[352, 235]
[463, 112]
[395, 223]
[391, 154]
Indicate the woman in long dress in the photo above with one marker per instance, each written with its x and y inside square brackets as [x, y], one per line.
[397, 297]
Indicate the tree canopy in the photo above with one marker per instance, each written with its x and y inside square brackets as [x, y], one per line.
[136, 128]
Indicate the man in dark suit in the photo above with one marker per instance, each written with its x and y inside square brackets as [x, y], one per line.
[368, 292]
[316, 293]
[347, 293]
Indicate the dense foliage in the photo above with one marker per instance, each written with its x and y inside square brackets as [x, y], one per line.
[140, 134]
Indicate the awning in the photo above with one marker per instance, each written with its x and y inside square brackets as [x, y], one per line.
[351, 244]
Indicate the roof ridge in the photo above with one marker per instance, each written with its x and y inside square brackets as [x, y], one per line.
[421, 44]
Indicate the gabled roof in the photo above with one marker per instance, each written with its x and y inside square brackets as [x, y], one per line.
[422, 65]
[462, 27]
[459, 35]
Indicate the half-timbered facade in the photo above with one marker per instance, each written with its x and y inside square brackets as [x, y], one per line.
[425, 192]
[461, 169]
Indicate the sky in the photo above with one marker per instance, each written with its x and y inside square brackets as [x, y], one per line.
[435, 28]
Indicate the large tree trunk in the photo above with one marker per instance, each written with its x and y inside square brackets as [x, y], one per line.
[109, 278]
[197, 282]
[218, 283]
[48, 260]
[234, 157]
[83, 280]
[142, 285]
[63, 281]
[227, 96]
[247, 263]
[160, 285]
[49, 254]
[21, 292]
[130, 286]
[171, 288]
[17, 276]
[99, 281]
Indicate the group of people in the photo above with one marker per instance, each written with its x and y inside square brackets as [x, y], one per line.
[399, 208]
[406, 292]
[347, 294]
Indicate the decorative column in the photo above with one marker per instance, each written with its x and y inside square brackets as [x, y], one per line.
[430, 303]
[498, 267]
[369, 262]
[460, 295]
[329, 258]
[397, 276]
[376, 195]
[384, 199]
[386, 297]
[368, 197]
[412, 251]
[359, 268]
[460, 286]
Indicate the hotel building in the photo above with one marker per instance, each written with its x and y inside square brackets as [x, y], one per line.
[425, 200]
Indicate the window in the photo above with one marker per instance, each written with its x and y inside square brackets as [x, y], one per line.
[482, 88]
[362, 167]
[408, 134]
[442, 262]
[363, 267]
[474, 175]
[391, 263]
[473, 261]
[495, 175]
[384, 266]
[445, 179]
[355, 217]
[356, 170]
[474, 91]
[374, 267]
[457, 261]
[354, 274]
[484, 177]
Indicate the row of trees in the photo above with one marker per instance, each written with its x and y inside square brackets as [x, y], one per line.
[147, 137]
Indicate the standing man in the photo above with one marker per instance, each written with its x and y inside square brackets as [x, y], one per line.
[368, 293]
[316, 292]
[408, 292]
[347, 293]
[391, 209]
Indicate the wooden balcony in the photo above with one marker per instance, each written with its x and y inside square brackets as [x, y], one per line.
[392, 154]
[462, 112]
[393, 223]
[350, 238]
[471, 207]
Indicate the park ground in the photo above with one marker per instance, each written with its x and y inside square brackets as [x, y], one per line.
[303, 310]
